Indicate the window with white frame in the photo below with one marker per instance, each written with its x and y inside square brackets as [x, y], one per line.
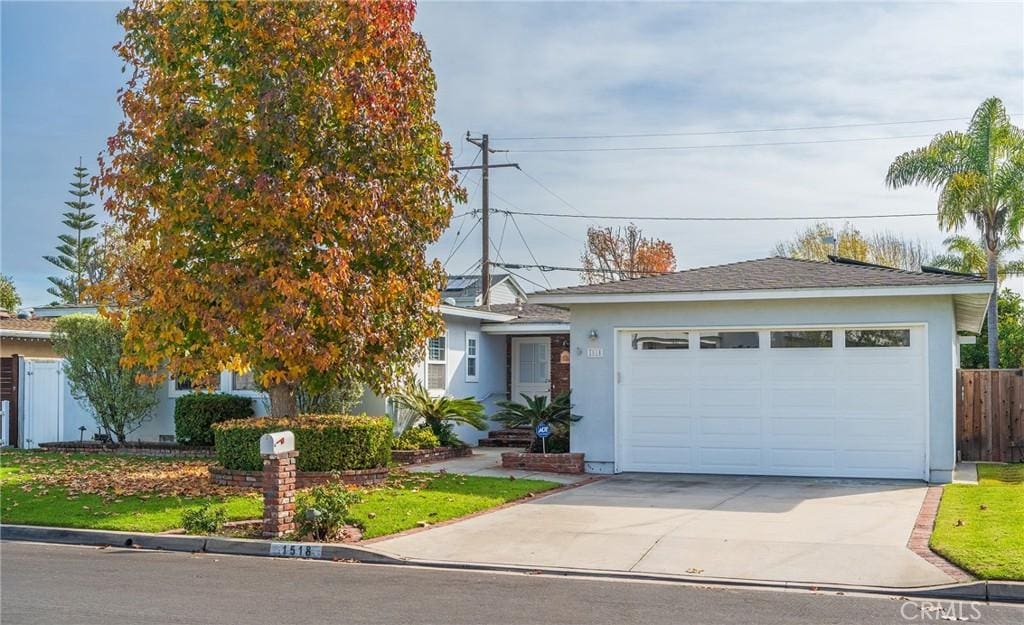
[472, 356]
[437, 363]
[243, 381]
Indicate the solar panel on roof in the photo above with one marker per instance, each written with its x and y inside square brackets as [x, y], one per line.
[457, 284]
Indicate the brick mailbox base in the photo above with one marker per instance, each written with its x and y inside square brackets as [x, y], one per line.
[279, 493]
[551, 463]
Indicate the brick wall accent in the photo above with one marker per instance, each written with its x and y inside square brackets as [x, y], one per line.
[550, 463]
[559, 370]
[437, 454]
[279, 493]
[168, 450]
[303, 479]
[921, 536]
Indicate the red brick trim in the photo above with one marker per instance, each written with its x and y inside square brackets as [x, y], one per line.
[922, 534]
[422, 456]
[551, 463]
[165, 450]
[303, 479]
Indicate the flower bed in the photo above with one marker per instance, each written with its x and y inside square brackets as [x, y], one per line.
[140, 448]
[435, 454]
[550, 463]
[303, 479]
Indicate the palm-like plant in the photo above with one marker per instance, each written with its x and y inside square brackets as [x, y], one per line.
[968, 255]
[980, 177]
[441, 413]
[536, 410]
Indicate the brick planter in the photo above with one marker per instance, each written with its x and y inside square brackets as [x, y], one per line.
[167, 450]
[303, 479]
[549, 463]
[437, 454]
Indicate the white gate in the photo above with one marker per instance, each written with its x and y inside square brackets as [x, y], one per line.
[44, 401]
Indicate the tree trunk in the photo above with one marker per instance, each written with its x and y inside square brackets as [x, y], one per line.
[993, 312]
[282, 400]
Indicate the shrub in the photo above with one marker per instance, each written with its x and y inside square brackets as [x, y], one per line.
[536, 410]
[417, 438]
[322, 511]
[91, 347]
[203, 520]
[441, 413]
[195, 414]
[324, 442]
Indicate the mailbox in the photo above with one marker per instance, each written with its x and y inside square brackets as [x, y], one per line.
[277, 443]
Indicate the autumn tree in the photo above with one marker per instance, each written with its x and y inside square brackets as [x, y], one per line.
[623, 253]
[821, 240]
[280, 173]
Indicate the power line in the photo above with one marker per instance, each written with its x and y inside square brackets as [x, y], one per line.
[521, 277]
[527, 245]
[722, 145]
[704, 133]
[546, 268]
[551, 192]
[538, 220]
[676, 218]
[456, 248]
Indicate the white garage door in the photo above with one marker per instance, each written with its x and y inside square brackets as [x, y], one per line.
[843, 402]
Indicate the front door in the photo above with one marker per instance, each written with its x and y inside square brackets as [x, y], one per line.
[531, 367]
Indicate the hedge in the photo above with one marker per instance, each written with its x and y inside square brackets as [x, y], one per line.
[324, 442]
[195, 414]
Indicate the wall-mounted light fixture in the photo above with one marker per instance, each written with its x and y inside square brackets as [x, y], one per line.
[593, 335]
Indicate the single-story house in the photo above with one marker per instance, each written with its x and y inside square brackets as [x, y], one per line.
[771, 367]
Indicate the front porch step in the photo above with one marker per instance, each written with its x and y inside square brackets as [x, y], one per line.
[511, 437]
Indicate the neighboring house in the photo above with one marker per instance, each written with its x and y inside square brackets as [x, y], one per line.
[771, 367]
[466, 291]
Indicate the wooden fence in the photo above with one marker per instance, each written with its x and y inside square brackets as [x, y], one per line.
[990, 414]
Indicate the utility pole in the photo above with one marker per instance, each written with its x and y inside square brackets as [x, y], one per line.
[485, 225]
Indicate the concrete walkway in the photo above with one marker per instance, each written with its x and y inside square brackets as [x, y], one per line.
[780, 529]
[486, 461]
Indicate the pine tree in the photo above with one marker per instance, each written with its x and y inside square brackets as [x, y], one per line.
[76, 250]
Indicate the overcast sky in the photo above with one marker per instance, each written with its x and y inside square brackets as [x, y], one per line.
[541, 69]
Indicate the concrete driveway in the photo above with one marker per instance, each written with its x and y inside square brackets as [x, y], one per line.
[781, 529]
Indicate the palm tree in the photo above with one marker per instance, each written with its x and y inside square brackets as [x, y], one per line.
[441, 413]
[980, 178]
[967, 255]
[537, 410]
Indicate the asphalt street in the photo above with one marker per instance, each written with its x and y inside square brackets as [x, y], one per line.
[54, 584]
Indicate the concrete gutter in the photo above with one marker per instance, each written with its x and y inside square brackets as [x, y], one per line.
[988, 591]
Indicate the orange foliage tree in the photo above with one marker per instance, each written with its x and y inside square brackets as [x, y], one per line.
[280, 173]
[624, 253]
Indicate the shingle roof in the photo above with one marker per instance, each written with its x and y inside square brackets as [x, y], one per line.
[770, 273]
[38, 325]
[529, 313]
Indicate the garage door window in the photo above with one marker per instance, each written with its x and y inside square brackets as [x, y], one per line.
[729, 340]
[801, 338]
[878, 338]
[662, 340]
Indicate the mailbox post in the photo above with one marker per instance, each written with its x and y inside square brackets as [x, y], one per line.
[279, 454]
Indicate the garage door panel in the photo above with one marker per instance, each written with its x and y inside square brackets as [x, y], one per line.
[783, 426]
[730, 457]
[803, 398]
[718, 369]
[818, 459]
[877, 400]
[842, 412]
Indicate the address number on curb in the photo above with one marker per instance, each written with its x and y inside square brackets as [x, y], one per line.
[296, 550]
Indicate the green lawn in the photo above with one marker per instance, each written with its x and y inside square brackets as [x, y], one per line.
[40, 488]
[429, 497]
[981, 528]
[149, 494]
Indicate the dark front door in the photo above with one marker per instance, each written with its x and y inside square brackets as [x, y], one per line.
[9, 393]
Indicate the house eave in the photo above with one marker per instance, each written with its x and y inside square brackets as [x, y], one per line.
[525, 328]
[469, 313]
[25, 334]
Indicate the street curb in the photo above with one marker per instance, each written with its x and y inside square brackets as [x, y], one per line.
[997, 591]
[173, 542]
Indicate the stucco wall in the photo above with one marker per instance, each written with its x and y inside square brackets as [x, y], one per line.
[29, 348]
[593, 378]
